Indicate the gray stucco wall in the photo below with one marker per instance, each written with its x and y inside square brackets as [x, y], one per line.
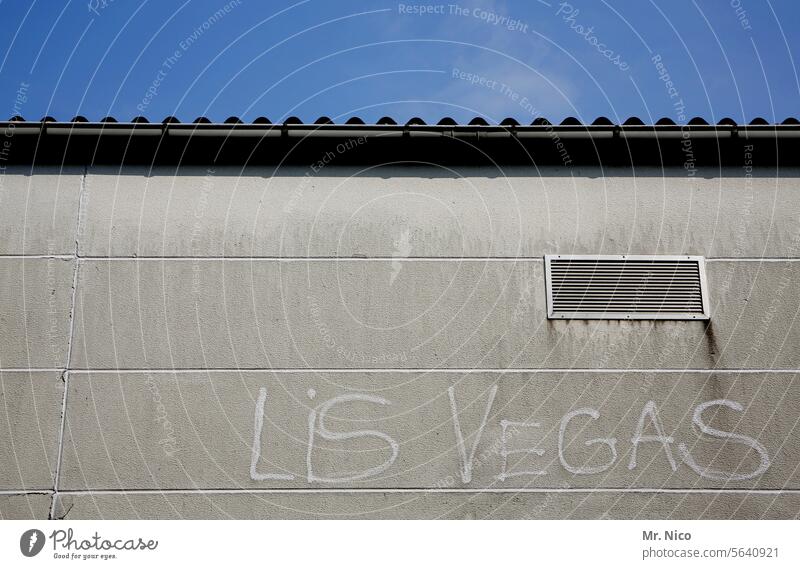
[374, 343]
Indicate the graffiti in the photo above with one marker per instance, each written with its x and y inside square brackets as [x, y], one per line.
[506, 452]
[706, 472]
[611, 442]
[605, 451]
[466, 461]
[317, 426]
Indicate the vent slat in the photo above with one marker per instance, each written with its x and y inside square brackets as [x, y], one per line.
[582, 302]
[628, 274]
[623, 302]
[626, 300]
[655, 268]
[611, 281]
[608, 270]
[617, 275]
[632, 272]
[566, 289]
[610, 262]
[626, 287]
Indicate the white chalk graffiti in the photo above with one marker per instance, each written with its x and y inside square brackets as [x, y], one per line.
[639, 436]
[505, 453]
[611, 442]
[316, 425]
[332, 436]
[697, 419]
[255, 455]
[649, 418]
[467, 461]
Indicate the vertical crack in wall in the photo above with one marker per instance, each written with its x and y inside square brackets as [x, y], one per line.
[65, 374]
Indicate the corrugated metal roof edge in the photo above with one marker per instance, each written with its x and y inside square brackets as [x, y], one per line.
[569, 143]
[416, 121]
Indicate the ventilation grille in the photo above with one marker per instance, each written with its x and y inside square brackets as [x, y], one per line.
[621, 287]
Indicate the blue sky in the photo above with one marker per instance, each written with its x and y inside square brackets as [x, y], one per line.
[521, 58]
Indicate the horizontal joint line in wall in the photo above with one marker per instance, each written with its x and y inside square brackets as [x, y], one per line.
[32, 369]
[753, 259]
[289, 259]
[424, 370]
[434, 491]
[42, 256]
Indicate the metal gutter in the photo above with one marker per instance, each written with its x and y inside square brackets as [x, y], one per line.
[588, 132]
[569, 145]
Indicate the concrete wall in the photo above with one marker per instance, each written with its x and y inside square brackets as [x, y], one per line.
[373, 343]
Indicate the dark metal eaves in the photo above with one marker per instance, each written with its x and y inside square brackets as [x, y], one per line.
[570, 143]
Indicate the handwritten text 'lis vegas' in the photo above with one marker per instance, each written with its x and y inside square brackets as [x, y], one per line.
[648, 421]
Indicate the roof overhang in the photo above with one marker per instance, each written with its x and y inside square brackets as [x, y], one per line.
[688, 146]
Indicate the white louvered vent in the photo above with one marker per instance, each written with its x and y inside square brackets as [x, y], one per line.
[620, 287]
